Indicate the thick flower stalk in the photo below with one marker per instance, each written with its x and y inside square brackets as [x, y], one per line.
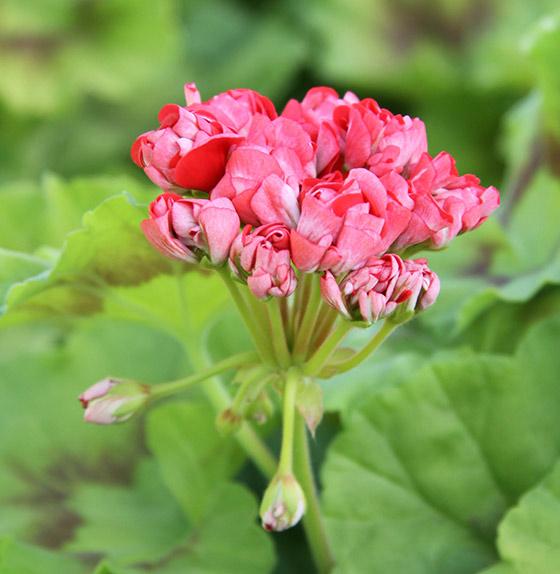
[307, 215]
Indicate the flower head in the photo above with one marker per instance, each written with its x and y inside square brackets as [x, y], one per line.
[386, 287]
[334, 184]
[113, 401]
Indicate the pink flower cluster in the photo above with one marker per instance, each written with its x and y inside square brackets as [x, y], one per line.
[382, 288]
[330, 185]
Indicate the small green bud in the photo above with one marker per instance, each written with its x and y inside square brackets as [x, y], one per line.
[261, 409]
[283, 503]
[228, 422]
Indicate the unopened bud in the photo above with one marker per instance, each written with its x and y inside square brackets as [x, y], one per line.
[228, 422]
[113, 401]
[283, 503]
[261, 409]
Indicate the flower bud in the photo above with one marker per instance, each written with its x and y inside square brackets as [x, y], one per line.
[228, 422]
[188, 229]
[112, 401]
[283, 503]
[262, 258]
[261, 409]
[386, 287]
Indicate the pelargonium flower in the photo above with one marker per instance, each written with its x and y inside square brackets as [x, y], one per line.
[315, 113]
[386, 287]
[351, 133]
[346, 221]
[190, 148]
[236, 109]
[375, 138]
[262, 258]
[445, 203]
[187, 229]
[263, 174]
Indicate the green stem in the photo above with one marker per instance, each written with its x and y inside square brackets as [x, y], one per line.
[317, 362]
[257, 451]
[278, 334]
[249, 440]
[387, 328]
[288, 418]
[166, 389]
[305, 329]
[259, 340]
[259, 312]
[220, 399]
[313, 520]
[302, 297]
[284, 311]
[323, 326]
[249, 389]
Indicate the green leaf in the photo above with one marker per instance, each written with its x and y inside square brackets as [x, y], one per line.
[16, 558]
[524, 271]
[501, 325]
[194, 459]
[309, 402]
[389, 366]
[46, 449]
[185, 305]
[227, 542]
[109, 250]
[499, 569]
[535, 238]
[36, 214]
[130, 524]
[519, 142]
[544, 48]
[529, 535]
[16, 267]
[424, 471]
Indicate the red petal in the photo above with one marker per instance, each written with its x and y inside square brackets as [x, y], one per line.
[135, 152]
[168, 115]
[202, 167]
[403, 296]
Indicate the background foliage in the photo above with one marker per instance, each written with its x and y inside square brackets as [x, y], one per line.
[438, 456]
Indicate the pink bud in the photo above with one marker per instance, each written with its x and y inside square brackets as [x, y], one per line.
[262, 258]
[186, 229]
[220, 224]
[159, 230]
[331, 293]
[386, 287]
[113, 401]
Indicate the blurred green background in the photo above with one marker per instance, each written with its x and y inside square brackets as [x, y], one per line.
[79, 80]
